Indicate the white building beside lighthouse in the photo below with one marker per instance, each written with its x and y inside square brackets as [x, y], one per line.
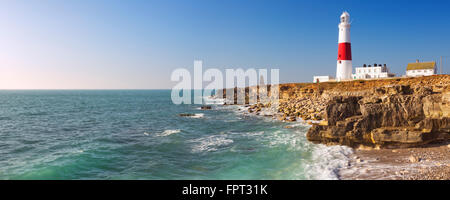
[344, 62]
[372, 72]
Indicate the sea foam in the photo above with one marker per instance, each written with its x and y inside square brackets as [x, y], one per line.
[327, 161]
[214, 100]
[210, 143]
[197, 115]
[169, 132]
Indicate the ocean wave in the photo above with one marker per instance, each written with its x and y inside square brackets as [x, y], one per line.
[249, 134]
[298, 124]
[197, 115]
[324, 163]
[210, 143]
[327, 161]
[214, 100]
[255, 133]
[294, 141]
[169, 132]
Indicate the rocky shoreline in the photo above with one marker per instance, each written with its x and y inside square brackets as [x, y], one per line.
[369, 114]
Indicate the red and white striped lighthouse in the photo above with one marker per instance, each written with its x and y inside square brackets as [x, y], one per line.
[344, 61]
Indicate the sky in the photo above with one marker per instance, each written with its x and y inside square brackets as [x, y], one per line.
[109, 44]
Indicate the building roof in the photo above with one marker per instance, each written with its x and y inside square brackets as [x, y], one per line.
[421, 65]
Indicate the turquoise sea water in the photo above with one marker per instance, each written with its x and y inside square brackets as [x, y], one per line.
[137, 134]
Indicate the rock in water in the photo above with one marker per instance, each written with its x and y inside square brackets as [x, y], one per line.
[186, 114]
[205, 107]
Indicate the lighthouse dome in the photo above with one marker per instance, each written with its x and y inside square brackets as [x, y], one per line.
[345, 17]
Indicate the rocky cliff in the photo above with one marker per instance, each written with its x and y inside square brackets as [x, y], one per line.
[401, 112]
[393, 116]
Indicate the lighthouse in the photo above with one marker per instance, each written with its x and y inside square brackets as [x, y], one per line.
[344, 61]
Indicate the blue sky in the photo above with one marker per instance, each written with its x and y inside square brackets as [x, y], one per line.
[93, 44]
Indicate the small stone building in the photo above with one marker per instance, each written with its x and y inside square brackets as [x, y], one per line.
[421, 69]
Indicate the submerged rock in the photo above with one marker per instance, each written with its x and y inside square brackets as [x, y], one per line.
[186, 115]
[205, 107]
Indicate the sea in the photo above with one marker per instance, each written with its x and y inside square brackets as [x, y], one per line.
[138, 134]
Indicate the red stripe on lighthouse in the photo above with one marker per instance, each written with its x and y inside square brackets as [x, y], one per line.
[344, 51]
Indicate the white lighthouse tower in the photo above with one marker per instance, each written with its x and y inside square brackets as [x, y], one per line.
[344, 61]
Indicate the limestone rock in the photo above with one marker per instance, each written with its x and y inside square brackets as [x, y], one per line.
[392, 116]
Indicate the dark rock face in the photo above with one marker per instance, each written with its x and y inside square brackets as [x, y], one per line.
[393, 116]
[342, 108]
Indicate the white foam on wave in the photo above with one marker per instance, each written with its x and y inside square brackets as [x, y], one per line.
[210, 143]
[255, 133]
[293, 139]
[249, 134]
[327, 161]
[324, 163]
[169, 132]
[298, 124]
[197, 115]
[77, 151]
[214, 100]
